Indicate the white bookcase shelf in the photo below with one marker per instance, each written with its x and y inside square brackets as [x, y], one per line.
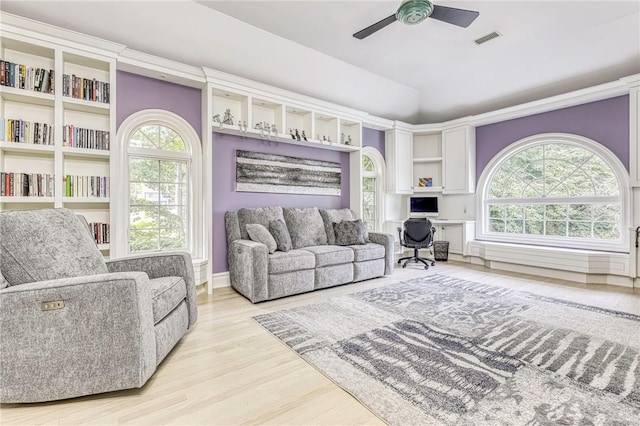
[57, 110]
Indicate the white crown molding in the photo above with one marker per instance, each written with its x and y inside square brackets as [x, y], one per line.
[377, 123]
[20, 26]
[565, 100]
[159, 68]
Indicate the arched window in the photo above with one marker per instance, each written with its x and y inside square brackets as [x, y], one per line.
[372, 188]
[555, 190]
[161, 155]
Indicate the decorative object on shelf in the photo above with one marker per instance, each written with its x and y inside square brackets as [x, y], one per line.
[304, 136]
[274, 129]
[292, 135]
[329, 139]
[243, 126]
[216, 118]
[228, 117]
[349, 141]
[297, 135]
[425, 182]
[342, 138]
[324, 138]
[258, 126]
[260, 172]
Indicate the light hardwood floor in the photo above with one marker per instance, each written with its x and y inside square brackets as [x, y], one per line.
[230, 371]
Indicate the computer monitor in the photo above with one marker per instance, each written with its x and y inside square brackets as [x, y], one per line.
[423, 206]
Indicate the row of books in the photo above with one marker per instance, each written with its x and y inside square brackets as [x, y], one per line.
[22, 131]
[26, 184]
[86, 186]
[101, 232]
[78, 137]
[85, 88]
[29, 78]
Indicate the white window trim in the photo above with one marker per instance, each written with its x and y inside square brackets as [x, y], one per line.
[380, 175]
[120, 178]
[482, 212]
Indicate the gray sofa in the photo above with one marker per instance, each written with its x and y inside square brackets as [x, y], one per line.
[314, 262]
[72, 324]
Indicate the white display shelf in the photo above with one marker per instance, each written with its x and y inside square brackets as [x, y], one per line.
[26, 96]
[27, 148]
[27, 200]
[427, 159]
[85, 200]
[71, 152]
[86, 106]
[284, 138]
[422, 189]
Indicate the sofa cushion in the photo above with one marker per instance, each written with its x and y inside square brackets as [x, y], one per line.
[305, 227]
[331, 255]
[261, 215]
[331, 216]
[294, 260]
[166, 294]
[349, 232]
[260, 234]
[367, 251]
[280, 233]
[3, 282]
[46, 244]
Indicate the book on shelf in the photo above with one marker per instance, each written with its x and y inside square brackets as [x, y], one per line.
[86, 186]
[78, 137]
[101, 232]
[14, 184]
[88, 89]
[21, 76]
[16, 130]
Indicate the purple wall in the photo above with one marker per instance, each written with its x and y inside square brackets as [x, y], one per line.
[226, 198]
[136, 93]
[606, 122]
[374, 138]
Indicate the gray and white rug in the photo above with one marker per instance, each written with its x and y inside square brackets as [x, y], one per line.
[441, 350]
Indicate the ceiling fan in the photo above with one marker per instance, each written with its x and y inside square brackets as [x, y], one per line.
[415, 11]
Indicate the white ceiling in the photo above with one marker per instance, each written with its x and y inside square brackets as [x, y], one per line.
[425, 73]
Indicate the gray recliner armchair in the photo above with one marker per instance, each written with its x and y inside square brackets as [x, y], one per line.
[72, 324]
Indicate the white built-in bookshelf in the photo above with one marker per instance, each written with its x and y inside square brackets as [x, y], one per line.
[427, 162]
[55, 134]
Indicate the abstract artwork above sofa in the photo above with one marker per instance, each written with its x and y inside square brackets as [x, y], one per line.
[260, 172]
[315, 260]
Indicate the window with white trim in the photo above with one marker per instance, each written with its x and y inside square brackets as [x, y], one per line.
[369, 193]
[373, 169]
[159, 169]
[555, 190]
[159, 180]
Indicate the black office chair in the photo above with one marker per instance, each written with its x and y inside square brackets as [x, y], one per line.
[418, 234]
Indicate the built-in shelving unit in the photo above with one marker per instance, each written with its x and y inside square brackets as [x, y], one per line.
[89, 105]
[427, 163]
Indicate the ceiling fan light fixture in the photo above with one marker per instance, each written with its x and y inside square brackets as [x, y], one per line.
[414, 11]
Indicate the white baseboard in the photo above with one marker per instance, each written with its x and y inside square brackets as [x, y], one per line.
[218, 280]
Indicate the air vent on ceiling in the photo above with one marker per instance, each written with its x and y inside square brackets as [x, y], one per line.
[488, 37]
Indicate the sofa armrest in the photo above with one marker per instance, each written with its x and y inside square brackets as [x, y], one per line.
[102, 339]
[249, 269]
[387, 241]
[165, 264]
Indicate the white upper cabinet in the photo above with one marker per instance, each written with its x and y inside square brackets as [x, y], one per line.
[458, 160]
[634, 147]
[399, 156]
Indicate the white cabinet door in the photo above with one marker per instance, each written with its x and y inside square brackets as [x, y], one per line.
[634, 148]
[399, 153]
[453, 234]
[458, 160]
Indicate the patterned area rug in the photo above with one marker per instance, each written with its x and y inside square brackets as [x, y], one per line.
[441, 350]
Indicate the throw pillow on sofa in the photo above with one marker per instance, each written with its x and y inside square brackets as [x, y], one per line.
[260, 234]
[280, 233]
[305, 227]
[350, 232]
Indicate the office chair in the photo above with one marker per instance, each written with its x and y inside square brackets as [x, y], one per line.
[418, 234]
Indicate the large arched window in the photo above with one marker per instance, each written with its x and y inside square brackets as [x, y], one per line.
[161, 159]
[555, 190]
[372, 188]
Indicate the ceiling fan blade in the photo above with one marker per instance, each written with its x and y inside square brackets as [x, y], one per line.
[460, 17]
[375, 27]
